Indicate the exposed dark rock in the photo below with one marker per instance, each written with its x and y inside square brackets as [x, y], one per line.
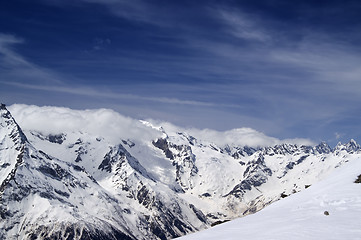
[5, 165]
[78, 168]
[117, 156]
[78, 158]
[55, 171]
[219, 222]
[80, 152]
[144, 197]
[255, 175]
[290, 165]
[108, 161]
[47, 195]
[206, 195]
[358, 180]
[45, 155]
[191, 140]
[352, 146]
[283, 195]
[301, 159]
[281, 149]
[198, 213]
[11, 175]
[128, 143]
[323, 148]
[183, 160]
[62, 193]
[76, 231]
[162, 144]
[56, 138]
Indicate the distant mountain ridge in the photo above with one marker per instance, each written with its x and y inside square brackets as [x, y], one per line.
[65, 183]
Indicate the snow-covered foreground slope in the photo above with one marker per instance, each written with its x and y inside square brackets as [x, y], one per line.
[302, 215]
[96, 174]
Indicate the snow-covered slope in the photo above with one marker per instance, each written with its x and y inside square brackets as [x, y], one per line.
[76, 173]
[44, 197]
[330, 209]
[47, 198]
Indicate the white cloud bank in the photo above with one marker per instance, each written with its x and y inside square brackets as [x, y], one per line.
[245, 137]
[99, 122]
[114, 127]
[234, 137]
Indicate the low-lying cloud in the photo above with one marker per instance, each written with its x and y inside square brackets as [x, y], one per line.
[98, 122]
[234, 137]
[115, 127]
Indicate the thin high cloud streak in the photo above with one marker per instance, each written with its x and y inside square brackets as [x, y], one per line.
[26, 70]
[330, 62]
[138, 10]
[328, 67]
[114, 127]
[16, 68]
[107, 94]
[241, 24]
[242, 27]
[9, 56]
[326, 59]
[135, 10]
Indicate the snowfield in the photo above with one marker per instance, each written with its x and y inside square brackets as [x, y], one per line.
[303, 215]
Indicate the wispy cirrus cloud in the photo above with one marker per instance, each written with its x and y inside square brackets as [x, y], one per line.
[100, 43]
[314, 61]
[243, 26]
[135, 10]
[16, 67]
[89, 91]
[330, 62]
[8, 55]
[21, 73]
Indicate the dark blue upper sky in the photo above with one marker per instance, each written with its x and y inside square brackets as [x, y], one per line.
[286, 68]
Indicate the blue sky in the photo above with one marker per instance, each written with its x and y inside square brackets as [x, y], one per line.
[286, 68]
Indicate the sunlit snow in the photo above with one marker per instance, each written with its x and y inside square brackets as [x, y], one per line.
[302, 215]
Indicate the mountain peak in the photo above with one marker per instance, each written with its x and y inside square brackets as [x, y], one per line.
[352, 142]
[323, 147]
[9, 126]
[352, 146]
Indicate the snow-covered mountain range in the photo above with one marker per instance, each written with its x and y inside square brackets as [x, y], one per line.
[94, 174]
[329, 209]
